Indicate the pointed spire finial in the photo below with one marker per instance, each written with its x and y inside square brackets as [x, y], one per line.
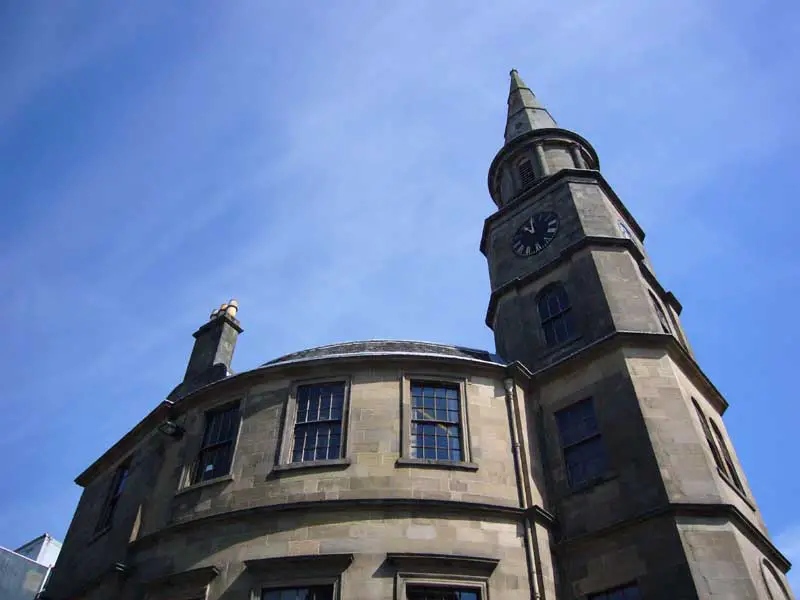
[525, 113]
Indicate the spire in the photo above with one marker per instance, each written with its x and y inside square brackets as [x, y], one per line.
[524, 111]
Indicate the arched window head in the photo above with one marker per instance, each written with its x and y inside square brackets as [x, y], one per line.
[526, 173]
[726, 454]
[555, 314]
[662, 317]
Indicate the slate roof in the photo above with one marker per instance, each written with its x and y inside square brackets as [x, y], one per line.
[387, 347]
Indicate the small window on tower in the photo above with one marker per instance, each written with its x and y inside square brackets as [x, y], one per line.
[662, 317]
[581, 442]
[526, 174]
[555, 315]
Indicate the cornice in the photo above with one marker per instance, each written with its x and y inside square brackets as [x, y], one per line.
[585, 242]
[634, 339]
[535, 513]
[532, 136]
[675, 510]
[547, 184]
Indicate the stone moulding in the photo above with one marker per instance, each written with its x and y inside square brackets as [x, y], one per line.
[319, 563]
[451, 563]
[536, 513]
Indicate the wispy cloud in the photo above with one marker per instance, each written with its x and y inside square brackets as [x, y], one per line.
[327, 167]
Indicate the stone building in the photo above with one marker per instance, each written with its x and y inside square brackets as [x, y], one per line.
[587, 459]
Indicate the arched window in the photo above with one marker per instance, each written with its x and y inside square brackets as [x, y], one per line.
[555, 315]
[662, 317]
[709, 439]
[526, 173]
[728, 459]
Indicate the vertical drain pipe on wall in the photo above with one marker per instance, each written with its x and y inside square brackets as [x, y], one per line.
[524, 496]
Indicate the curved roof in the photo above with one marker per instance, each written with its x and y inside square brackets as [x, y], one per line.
[387, 348]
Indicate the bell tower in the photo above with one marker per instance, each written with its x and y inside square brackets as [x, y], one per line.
[640, 473]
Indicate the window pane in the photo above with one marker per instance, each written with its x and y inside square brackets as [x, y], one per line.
[317, 592]
[585, 461]
[576, 422]
[628, 592]
[441, 593]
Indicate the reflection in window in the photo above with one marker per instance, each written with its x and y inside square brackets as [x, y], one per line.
[584, 452]
[726, 455]
[555, 315]
[709, 438]
[317, 592]
[435, 421]
[441, 593]
[662, 317]
[628, 592]
[117, 486]
[216, 452]
[318, 426]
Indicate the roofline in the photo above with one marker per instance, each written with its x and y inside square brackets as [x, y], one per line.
[352, 342]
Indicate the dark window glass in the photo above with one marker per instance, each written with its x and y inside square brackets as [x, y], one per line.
[317, 592]
[441, 593]
[435, 421]
[318, 425]
[709, 439]
[216, 452]
[584, 452]
[628, 592]
[526, 174]
[114, 494]
[624, 229]
[555, 315]
[662, 317]
[726, 454]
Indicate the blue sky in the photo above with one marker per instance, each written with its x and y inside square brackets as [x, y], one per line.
[325, 163]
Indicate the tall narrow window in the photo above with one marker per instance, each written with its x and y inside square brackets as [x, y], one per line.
[627, 592]
[728, 458]
[435, 421]
[526, 174]
[317, 592]
[219, 437]
[555, 315]
[709, 438]
[441, 593]
[114, 494]
[581, 443]
[318, 425]
[662, 317]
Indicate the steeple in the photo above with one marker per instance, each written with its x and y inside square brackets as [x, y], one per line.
[525, 113]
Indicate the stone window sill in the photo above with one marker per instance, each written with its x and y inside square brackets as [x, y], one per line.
[739, 492]
[201, 484]
[436, 464]
[336, 463]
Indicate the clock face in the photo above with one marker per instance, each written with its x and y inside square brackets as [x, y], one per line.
[535, 234]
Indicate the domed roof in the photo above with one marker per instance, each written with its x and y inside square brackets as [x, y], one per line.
[387, 348]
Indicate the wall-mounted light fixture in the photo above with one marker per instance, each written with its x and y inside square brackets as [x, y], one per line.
[171, 429]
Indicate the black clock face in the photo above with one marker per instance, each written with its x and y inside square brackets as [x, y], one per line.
[535, 234]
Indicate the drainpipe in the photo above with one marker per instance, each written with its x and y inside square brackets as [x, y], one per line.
[523, 489]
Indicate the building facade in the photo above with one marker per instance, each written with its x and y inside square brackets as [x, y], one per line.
[24, 571]
[587, 459]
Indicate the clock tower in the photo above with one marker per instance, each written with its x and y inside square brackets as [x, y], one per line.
[632, 454]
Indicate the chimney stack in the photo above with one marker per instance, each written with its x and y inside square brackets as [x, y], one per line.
[213, 349]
